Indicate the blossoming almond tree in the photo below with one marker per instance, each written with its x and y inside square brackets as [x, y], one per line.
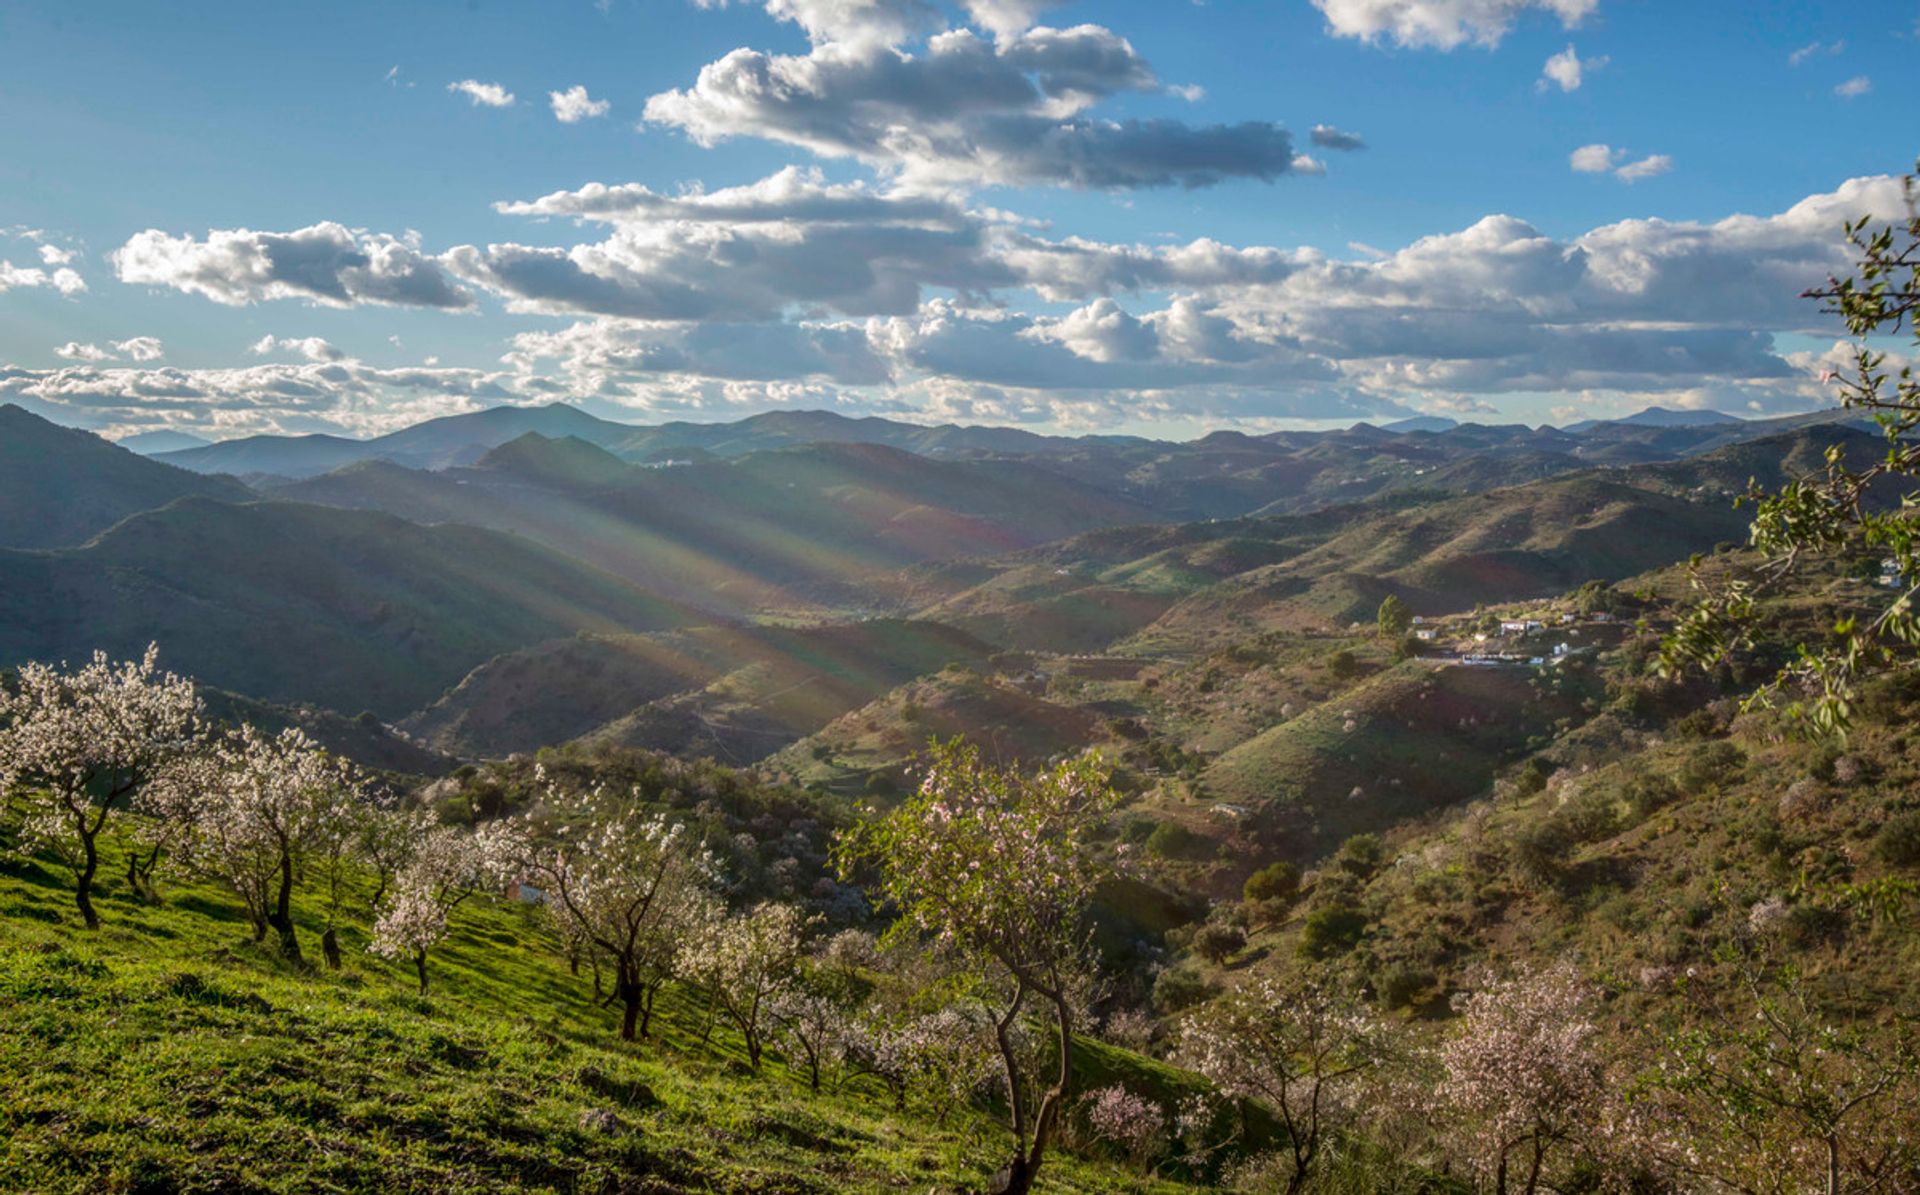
[621, 879]
[1298, 1045]
[746, 963]
[448, 866]
[76, 746]
[996, 865]
[1524, 1079]
[254, 806]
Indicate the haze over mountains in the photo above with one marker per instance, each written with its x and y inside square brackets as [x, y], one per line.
[441, 576]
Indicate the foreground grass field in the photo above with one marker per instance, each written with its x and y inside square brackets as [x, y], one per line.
[170, 1053]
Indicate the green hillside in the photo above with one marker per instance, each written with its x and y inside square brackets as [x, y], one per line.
[296, 603]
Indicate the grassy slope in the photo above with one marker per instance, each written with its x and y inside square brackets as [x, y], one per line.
[169, 1053]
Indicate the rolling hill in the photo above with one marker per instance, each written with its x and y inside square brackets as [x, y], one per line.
[60, 487]
[296, 603]
[736, 693]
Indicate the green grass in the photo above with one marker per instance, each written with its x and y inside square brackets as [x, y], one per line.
[168, 1052]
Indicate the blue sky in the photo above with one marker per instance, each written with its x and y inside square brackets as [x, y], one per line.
[1102, 214]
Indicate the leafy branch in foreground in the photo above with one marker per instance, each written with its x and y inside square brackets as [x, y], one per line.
[1850, 511]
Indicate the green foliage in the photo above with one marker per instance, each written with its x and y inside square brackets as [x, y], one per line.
[1177, 989]
[1277, 883]
[1331, 931]
[1395, 618]
[1173, 840]
[1839, 514]
[1898, 842]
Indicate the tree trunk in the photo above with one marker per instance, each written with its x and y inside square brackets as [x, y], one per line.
[83, 886]
[646, 1012]
[1833, 1164]
[1533, 1171]
[330, 946]
[281, 919]
[420, 965]
[629, 1016]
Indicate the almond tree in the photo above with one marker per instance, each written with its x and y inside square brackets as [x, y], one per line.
[448, 865]
[1300, 1047]
[620, 880]
[746, 963]
[253, 807]
[1855, 509]
[996, 866]
[76, 746]
[1523, 1079]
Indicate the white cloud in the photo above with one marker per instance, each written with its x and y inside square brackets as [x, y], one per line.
[54, 255]
[490, 95]
[966, 112]
[141, 348]
[73, 350]
[326, 263]
[1647, 167]
[1594, 159]
[574, 105]
[313, 348]
[1567, 70]
[876, 22]
[1441, 24]
[67, 281]
[1813, 50]
[343, 396]
[1007, 18]
[1604, 159]
[1854, 88]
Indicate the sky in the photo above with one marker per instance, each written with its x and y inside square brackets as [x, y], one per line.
[1150, 216]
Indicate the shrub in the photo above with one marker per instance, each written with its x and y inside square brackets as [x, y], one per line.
[1343, 665]
[1171, 840]
[1219, 941]
[1710, 765]
[1177, 989]
[1401, 984]
[1276, 882]
[1332, 931]
[1361, 855]
[1899, 841]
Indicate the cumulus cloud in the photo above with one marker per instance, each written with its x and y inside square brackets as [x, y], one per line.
[141, 348]
[489, 95]
[748, 253]
[73, 350]
[882, 22]
[313, 348]
[345, 396]
[1327, 137]
[574, 105]
[968, 112]
[54, 255]
[1008, 18]
[328, 264]
[1604, 159]
[1854, 88]
[1441, 24]
[597, 355]
[65, 280]
[1567, 70]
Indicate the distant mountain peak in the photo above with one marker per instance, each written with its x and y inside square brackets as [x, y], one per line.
[1661, 417]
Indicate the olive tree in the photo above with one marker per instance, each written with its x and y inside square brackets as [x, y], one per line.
[996, 866]
[75, 746]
